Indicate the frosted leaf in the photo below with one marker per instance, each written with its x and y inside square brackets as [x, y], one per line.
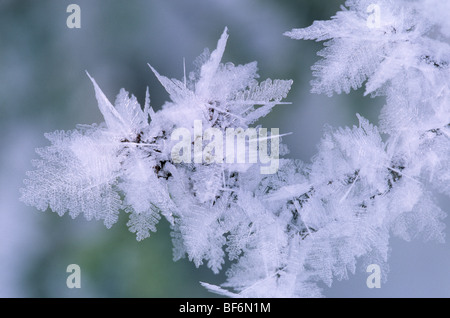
[203, 237]
[145, 195]
[423, 220]
[176, 89]
[142, 223]
[112, 118]
[267, 90]
[351, 156]
[348, 59]
[209, 68]
[357, 51]
[130, 111]
[225, 83]
[76, 175]
[364, 149]
[86, 171]
[196, 230]
[227, 93]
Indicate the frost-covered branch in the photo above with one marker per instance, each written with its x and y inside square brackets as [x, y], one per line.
[306, 223]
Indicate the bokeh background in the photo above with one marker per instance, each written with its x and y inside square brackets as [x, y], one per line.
[43, 87]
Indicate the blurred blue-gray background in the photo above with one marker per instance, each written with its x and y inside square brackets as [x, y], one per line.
[44, 87]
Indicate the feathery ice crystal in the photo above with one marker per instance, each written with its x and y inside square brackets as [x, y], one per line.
[307, 223]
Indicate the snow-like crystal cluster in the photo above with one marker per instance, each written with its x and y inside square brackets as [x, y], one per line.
[284, 232]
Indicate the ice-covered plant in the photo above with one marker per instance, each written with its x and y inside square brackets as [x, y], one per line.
[307, 223]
